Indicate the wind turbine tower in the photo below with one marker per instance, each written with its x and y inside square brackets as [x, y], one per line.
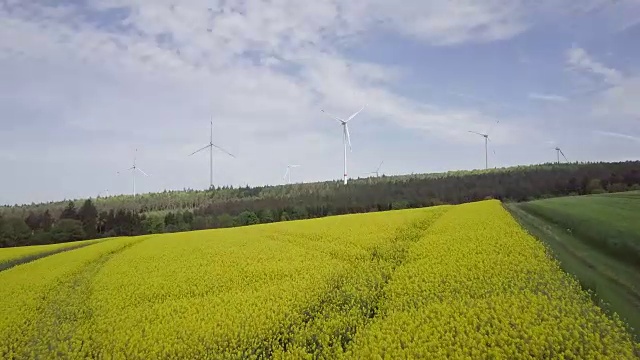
[346, 139]
[133, 170]
[210, 146]
[287, 174]
[558, 152]
[377, 172]
[486, 144]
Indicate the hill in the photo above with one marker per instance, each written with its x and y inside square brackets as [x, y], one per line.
[172, 211]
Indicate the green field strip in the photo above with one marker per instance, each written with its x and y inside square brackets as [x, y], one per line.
[9, 262]
[615, 284]
[609, 224]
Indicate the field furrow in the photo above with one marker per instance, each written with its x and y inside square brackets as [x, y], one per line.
[10, 257]
[477, 285]
[443, 282]
[28, 315]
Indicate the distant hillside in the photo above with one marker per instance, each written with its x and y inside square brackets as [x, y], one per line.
[228, 206]
[516, 183]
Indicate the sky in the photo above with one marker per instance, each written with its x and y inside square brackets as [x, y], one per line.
[85, 83]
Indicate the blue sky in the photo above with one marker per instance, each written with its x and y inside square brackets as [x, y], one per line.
[85, 83]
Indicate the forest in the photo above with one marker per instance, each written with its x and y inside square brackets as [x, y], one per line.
[173, 211]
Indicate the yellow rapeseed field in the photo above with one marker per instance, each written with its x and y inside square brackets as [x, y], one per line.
[17, 254]
[477, 285]
[445, 282]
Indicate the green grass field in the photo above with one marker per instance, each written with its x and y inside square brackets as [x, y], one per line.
[597, 239]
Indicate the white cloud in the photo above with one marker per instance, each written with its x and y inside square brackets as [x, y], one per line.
[618, 135]
[547, 97]
[91, 81]
[620, 101]
[579, 60]
[453, 22]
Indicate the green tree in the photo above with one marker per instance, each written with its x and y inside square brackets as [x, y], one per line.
[33, 221]
[47, 221]
[187, 217]
[67, 230]
[617, 187]
[201, 222]
[247, 218]
[266, 216]
[170, 219]
[153, 224]
[594, 186]
[399, 205]
[69, 212]
[41, 237]
[299, 213]
[225, 220]
[13, 232]
[88, 215]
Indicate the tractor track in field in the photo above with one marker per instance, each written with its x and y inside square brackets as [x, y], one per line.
[344, 301]
[29, 258]
[66, 307]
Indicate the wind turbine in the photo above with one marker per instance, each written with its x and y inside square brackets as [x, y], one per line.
[105, 191]
[377, 172]
[287, 175]
[486, 143]
[346, 139]
[558, 152]
[210, 146]
[133, 169]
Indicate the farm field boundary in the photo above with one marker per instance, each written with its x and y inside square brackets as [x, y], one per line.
[10, 257]
[613, 284]
[43, 310]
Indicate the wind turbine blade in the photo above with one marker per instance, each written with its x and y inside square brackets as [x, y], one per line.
[294, 165]
[197, 151]
[492, 126]
[475, 132]
[333, 117]
[131, 168]
[143, 173]
[379, 166]
[356, 113]
[223, 150]
[565, 158]
[286, 173]
[346, 131]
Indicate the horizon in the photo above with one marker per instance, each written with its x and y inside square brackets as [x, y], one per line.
[221, 187]
[85, 83]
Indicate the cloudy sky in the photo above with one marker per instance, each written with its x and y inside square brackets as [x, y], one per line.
[84, 83]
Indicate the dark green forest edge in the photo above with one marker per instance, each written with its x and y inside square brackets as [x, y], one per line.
[172, 211]
[596, 238]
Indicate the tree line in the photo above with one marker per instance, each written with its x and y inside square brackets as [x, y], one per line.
[228, 206]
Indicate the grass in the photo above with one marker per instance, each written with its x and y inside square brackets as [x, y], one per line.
[596, 238]
[608, 222]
